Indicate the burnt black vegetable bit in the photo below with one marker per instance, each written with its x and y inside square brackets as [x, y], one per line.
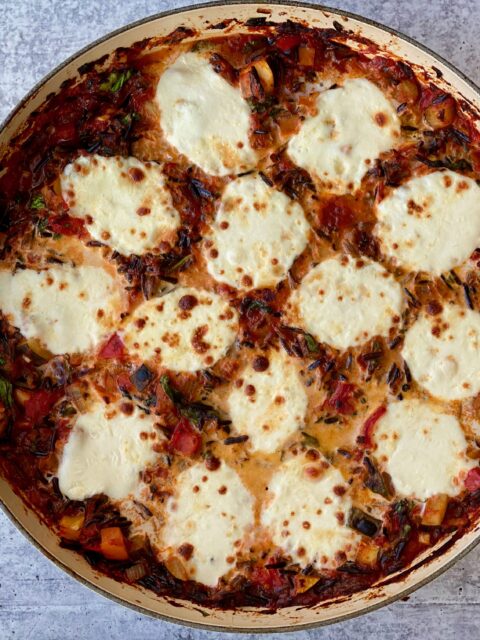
[354, 568]
[197, 412]
[375, 480]
[199, 190]
[235, 439]
[393, 375]
[363, 522]
[468, 296]
[142, 377]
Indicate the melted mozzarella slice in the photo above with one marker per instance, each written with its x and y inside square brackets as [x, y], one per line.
[344, 305]
[106, 451]
[212, 511]
[269, 405]
[353, 125]
[257, 234]
[431, 223]
[307, 513]
[443, 352]
[204, 117]
[124, 202]
[184, 330]
[68, 309]
[422, 449]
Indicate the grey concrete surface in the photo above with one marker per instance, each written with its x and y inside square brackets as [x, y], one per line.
[37, 600]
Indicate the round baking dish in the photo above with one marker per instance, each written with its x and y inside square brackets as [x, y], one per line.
[201, 18]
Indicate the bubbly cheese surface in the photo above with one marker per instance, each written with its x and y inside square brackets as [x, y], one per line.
[422, 449]
[431, 223]
[204, 117]
[185, 330]
[106, 451]
[443, 352]
[269, 405]
[257, 233]
[68, 309]
[353, 125]
[124, 202]
[307, 512]
[344, 304]
[210, 510]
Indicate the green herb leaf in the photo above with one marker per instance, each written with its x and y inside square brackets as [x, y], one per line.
[2, 361]
[311, 343]
[68, 410]
[6, 393]
[116, 80]
[41, 225]
[129, 118]
[57, 236]
[309, 440]
[169, 391]
[37, 202]
[181, 263]
[261, 107]
[198, 412]
[261, 306]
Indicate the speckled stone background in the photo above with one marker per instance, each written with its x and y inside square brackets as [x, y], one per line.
[37, 600]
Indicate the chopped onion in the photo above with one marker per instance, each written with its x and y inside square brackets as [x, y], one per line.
[135, 572]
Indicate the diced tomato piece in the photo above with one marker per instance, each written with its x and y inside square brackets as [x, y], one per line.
[268, 579]
[112, 544]
[472, 481]
[341, 399]
[67, 226]
[113, 348]
[40, 403]
[288, 42]
[369, 425]
[185, 439]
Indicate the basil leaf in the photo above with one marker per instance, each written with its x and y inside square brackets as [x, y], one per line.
[116, 80]
[311, 343]
[309, 440]
[169, 392]
[6, 393]
[37, 202]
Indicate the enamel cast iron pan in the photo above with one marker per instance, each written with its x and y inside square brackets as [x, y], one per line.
[437, 560]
